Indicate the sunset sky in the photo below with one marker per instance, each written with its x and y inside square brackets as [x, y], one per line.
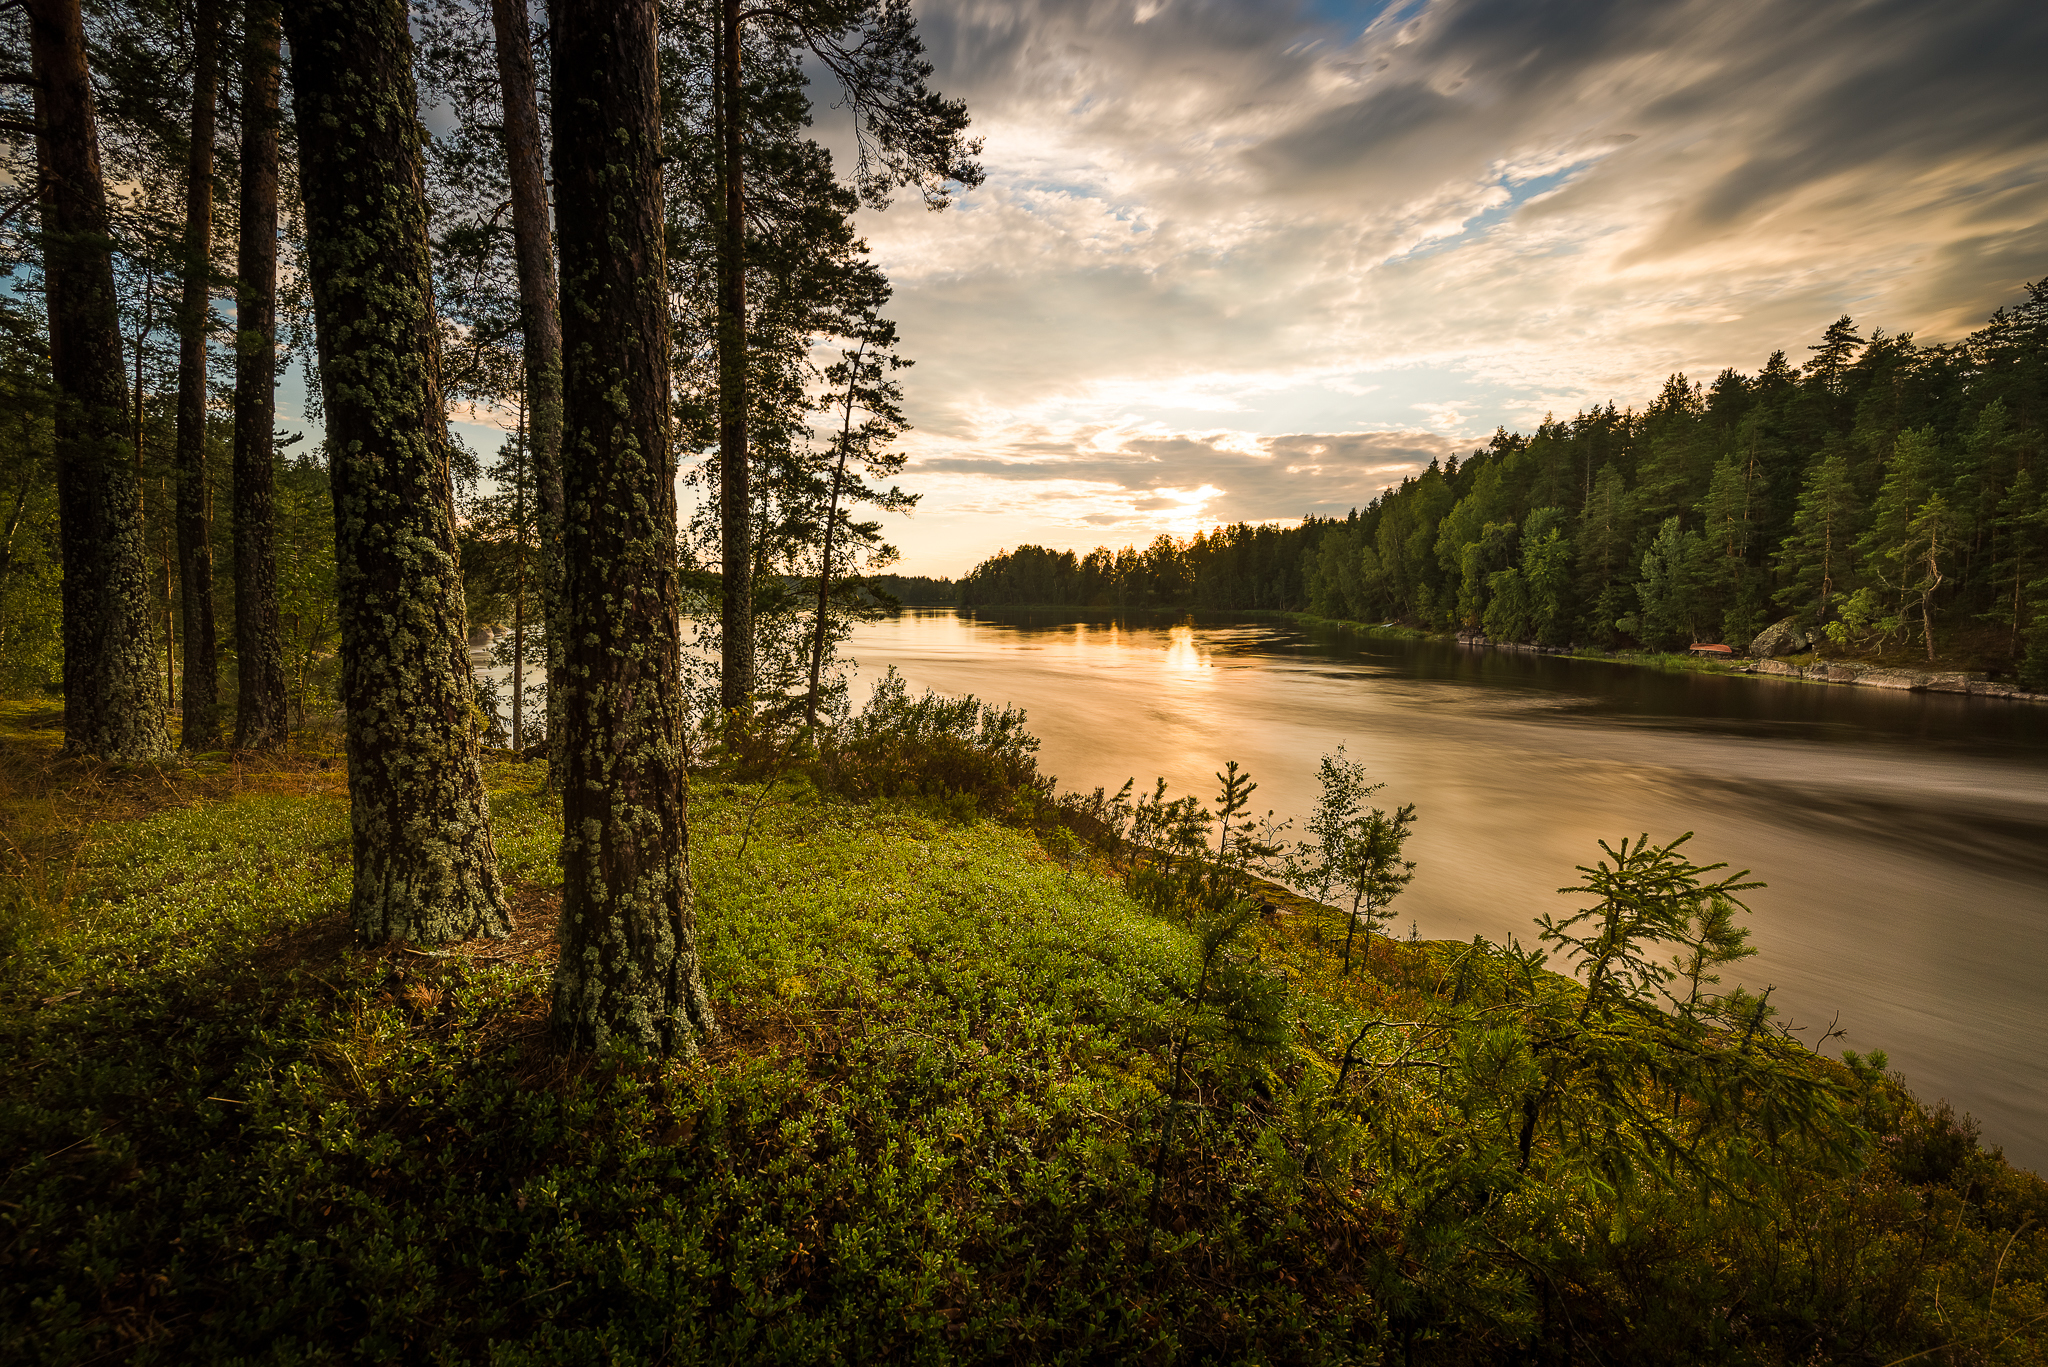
[1259, 260]
[1256, 261]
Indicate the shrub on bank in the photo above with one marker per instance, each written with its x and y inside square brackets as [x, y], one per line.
[968, 1103]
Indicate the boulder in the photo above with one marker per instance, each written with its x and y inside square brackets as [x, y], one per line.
[1780, 638]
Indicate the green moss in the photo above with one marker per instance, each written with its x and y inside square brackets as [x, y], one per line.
[925, 1134]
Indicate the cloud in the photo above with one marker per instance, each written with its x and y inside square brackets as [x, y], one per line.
[1212, 228]
[1177, 481]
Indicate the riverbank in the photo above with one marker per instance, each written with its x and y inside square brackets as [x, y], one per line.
[935, 1126]
[1807, 667]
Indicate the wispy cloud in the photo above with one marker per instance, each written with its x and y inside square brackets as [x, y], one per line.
[1210, 228]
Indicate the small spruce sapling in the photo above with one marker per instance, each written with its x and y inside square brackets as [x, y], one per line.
[1233, 1007]
[1732, 1082]
[1356, 850]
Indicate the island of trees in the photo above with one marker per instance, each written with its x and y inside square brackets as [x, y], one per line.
[1882, 494]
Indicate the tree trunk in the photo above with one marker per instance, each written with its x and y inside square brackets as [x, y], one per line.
[540, 323]
[424, 866]
[195, 547]
[260, 721]
[628, 966]
[735, 503]
[112, 705]
[519, 479]
[831, 526]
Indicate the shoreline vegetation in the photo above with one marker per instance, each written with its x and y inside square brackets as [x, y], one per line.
[990, 1085]
[1883, 500]
[1874, 670]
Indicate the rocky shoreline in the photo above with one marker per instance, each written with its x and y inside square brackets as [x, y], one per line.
[1912, 680]
[1975, 685]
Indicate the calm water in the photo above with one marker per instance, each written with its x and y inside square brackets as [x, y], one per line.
[1904, 836]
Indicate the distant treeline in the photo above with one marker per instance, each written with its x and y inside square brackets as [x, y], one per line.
[1242, 566]
[1886, 492]
[915, 590]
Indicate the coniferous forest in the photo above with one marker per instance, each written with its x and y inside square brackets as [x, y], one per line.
[668, 1008]
[1883, 494]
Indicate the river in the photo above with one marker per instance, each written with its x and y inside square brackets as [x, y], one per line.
[1904, 836]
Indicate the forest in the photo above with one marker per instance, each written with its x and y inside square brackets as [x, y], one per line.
[206, 232]
[1884, 495]
[710, 1018]
[375, 203]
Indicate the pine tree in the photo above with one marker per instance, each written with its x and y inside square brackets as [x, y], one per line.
[1669, 589]
[1814, 561]
[628, 966]
[195, 544]
[2023, 524]
[540, 330]
[1916, 472]
[260, 720]
[425, 868]
[112, 705]
[1930, 540]
[862, 379]
[906, 135]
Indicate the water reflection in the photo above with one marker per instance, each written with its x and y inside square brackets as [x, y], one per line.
[1904, 836]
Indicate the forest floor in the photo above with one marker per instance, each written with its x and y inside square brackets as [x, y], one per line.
[928, 1129]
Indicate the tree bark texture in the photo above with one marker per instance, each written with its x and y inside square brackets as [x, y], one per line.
[628, 966]
[425, 869]
[195, 547]
[260, 721]
[113, 707]
[540, 325]
[735, 500]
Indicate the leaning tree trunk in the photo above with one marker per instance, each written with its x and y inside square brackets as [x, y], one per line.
[424, 866]
[628, 966]
[540, 324]
[113, 707]
[735, 502]
[260, 721]
[195, 546]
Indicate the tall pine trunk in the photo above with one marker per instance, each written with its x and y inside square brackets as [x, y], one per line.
[112, 705]
[424, 866]
[260, 722]
[735, 501]
[540, 323]
[195, 545]
[628, 966]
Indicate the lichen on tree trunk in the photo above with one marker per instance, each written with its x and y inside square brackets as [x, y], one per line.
[628, 966]
[113, 703]
[424, 865]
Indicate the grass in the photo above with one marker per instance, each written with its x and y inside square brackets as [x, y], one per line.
[927, 1130]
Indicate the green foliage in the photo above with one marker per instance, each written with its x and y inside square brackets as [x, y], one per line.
[1683, 521]
[971, 1104]
[959, 755]
[1354, 853]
